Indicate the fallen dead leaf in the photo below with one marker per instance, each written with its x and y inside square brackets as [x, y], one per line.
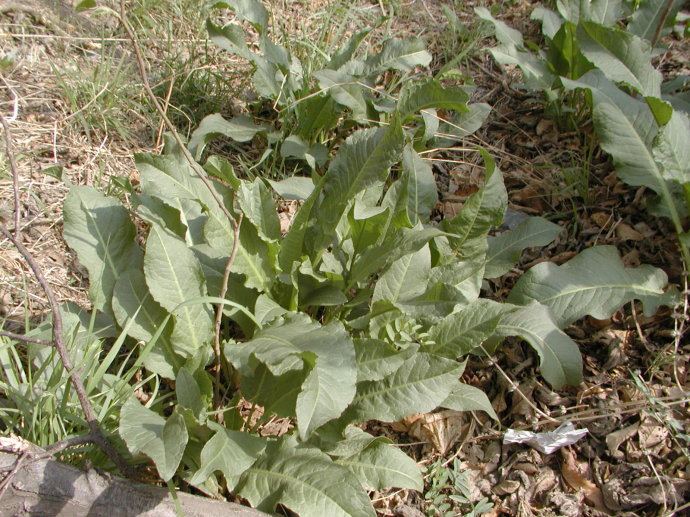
[574, 477]
[626, 232]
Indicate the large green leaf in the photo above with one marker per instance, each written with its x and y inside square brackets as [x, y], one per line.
[559, 356]
[504, 249]
[626, 128]
[258, 206]
[343, 88]
[231, 38]
[671, 150]
[429, 93]
[595, 282]
[240, 129]
[482, 211]
[422, 192]
[305, 480]
[131, 299]
[621, 56]
[378, 258]
[418, 386]
[461, 332]
[162, 440]
[174, 275]
[100, 230]
[276, 394]
[230, 452]
[462, 124]
[606, 12]
[251, 11]
[405, 279]
[468, 398]
[398, 54]
[255, 257]
[504, 34]
[362, 162]
[378, 464]
[377, 359]
[296, 342]
[646, 18]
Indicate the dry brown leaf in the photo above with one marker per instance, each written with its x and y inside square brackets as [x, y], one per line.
[443, 429]
[574, 477]
[615, 440]
[602, 219]
[626, 232]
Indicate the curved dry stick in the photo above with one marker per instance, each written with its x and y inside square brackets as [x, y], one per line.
[59, 343]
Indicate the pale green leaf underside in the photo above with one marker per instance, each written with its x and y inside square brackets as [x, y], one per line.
[561, 362]
[595, 282]
[468, 398]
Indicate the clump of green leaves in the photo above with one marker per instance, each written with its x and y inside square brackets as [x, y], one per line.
[361, 310]
[642, 123]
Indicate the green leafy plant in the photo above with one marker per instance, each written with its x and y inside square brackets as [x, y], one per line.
[644, 129]
[359, 311]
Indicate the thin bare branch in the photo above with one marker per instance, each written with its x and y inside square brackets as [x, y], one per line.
[10, 158]
[19, 337]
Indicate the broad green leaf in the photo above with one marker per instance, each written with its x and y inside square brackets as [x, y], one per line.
[560, 359]
[535, 70]
[564, 53]
[468, 398]
[230, 452]
[277, 395]
[662, 110]
[377, 359]
[595, 282]
[189, 393]
[100, 230]
[605, 12]
[398, 54]
[343, 88]
[378, 258]
[348, 49]
[671, 149]
[155, 210]
[251, 11]
[463, 331]
[305, 480]
[462, 124]
[174, 275]
[550, 20]
[362, 162]
[626, 128]
[381, 465]
[429, 93]
[255, 258]
[504, 34]
[621, 56]
[647, 17]
[292, 245]
[482, 211]
[267, 78]
[295, 187]
[240, 129]
[418, 386]
[504, 249]
[296, 342]
[405, 279]
[85, 5]
[295, 147]
[162, 440]
[422, 192]
[258, 206]
[231, 38]
[315, 115]
[131, 299]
